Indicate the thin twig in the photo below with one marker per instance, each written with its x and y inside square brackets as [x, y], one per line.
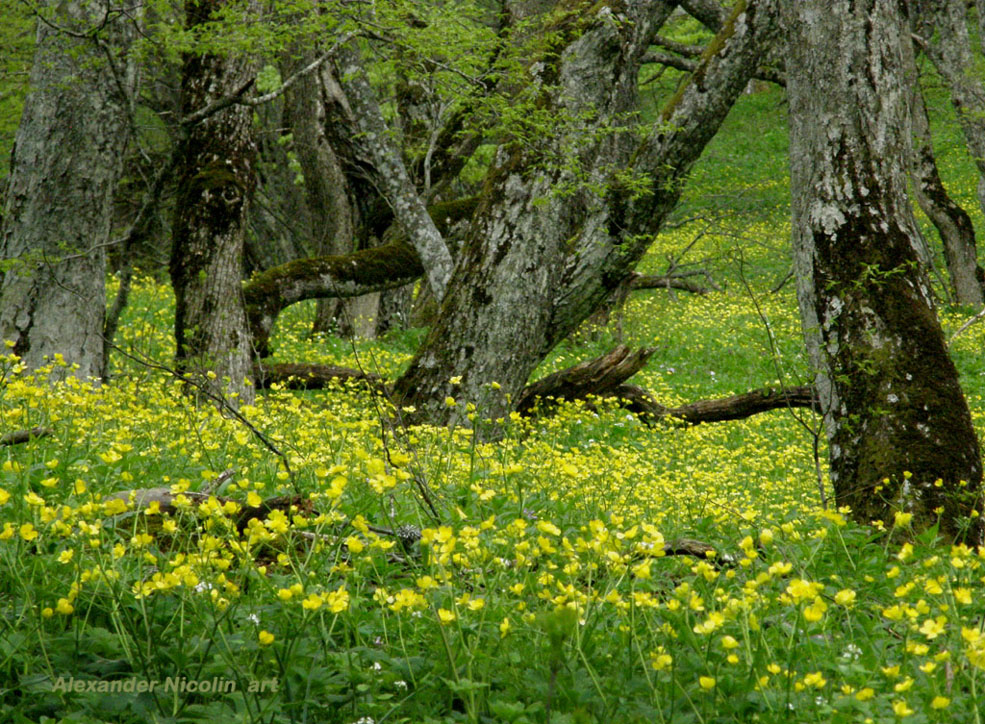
[974, 320]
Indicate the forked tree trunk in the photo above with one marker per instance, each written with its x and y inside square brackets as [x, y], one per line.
[215, 180]
[545, 248]
[896, 418]
[64, 172]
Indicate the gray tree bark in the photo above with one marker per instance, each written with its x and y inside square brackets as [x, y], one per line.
[950, 51]
[896, 418]
[66, 162]
[215, 179]
[545, 249]
[967, 279]
[389, 172]
[327, 192]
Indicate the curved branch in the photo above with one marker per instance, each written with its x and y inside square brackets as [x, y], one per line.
[350, 275]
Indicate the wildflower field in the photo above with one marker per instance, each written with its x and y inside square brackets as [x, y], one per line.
[432, 577]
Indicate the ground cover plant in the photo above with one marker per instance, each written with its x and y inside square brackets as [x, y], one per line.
[435, 577]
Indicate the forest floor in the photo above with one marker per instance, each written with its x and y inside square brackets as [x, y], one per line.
[544, 591]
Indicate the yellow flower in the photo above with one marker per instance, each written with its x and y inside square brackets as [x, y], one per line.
[845, 597]
[66, 556]
[64, 606]
[450, 401]
[446, 616]
[4, 496]
[660, 659]
[940, 702]
[816, 680]
[354, 544]
[285, 594]
[932, 628]
[110, 457]
[707, 682]
[901, 519]
[865, 694]
[900, 709]
[265, 638]
[312, 603]
[729, 642]
[815, 612]
[338, 601]
[27, 532]
[504, 627]
[893, 612]
[799, 589]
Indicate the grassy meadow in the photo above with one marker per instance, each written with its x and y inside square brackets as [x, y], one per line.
[540, 595]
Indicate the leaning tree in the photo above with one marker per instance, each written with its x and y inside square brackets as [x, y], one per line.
[899, 430]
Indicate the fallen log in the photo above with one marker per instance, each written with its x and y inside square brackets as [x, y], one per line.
[20, 436]
[605, 377]
[734, 407]
[598, 377]
[667, 281]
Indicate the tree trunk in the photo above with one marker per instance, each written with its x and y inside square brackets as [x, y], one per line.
[327, 193]
[215, 180]
[895, 415]
[956, 230]
[950, 51]
[65, 168]
[545, 249]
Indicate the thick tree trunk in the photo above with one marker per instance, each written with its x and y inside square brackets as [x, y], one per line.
[215, 180]
[545, 249]
[896, 418]
[64, 172]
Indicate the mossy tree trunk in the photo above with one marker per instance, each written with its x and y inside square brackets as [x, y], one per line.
[897, 422]
[64, 171]
[546, 247]
[215, 179]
